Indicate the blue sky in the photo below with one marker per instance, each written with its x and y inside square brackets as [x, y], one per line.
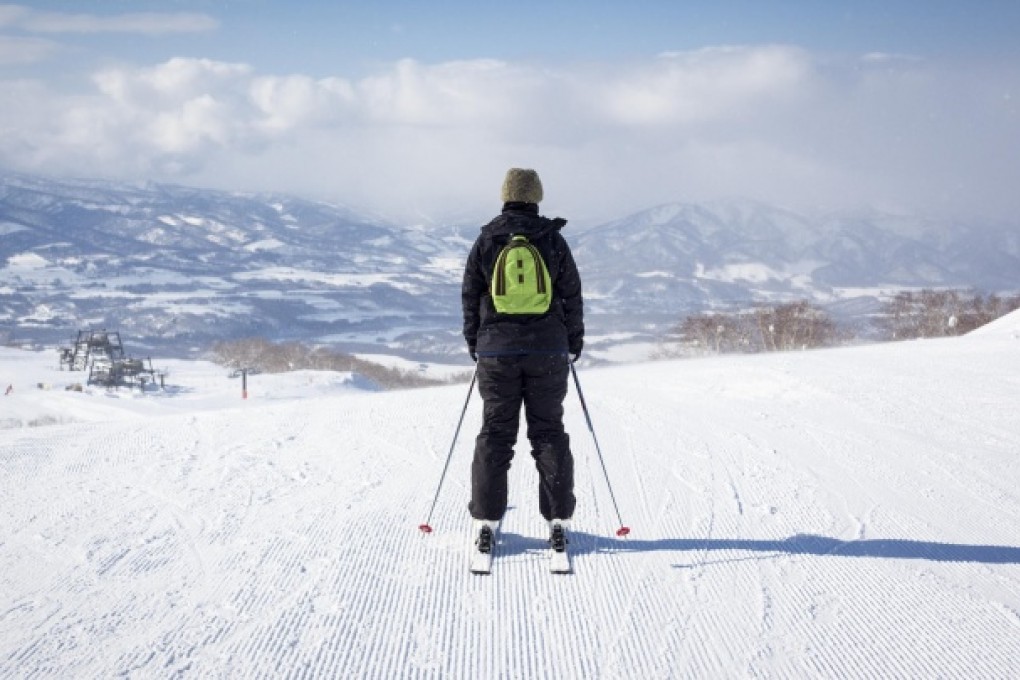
[320, 35]
[416, 108]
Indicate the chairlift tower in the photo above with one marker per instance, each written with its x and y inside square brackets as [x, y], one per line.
[101, 353]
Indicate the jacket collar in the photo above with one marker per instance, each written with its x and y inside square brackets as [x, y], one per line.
[519, 207]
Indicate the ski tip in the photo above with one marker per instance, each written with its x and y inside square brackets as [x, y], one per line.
[623, 531]
[425, 528]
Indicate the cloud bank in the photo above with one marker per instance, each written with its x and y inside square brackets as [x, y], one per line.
[771, 122]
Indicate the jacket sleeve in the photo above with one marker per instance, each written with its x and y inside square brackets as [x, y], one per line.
[472, 289]
[568, 286]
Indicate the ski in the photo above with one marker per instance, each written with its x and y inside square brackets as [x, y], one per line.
[483, 544]
[559, 559]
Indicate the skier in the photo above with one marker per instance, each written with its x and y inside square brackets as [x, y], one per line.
[522, 359]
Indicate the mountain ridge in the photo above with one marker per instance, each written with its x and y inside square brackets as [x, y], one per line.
[181, 267]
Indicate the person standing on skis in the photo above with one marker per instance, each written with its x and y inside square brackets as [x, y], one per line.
[523, 357]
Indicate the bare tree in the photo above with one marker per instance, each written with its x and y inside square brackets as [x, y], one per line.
[797, 325]
[261, 355]
[938, 313]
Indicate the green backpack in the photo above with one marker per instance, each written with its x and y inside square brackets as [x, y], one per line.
[520, 281]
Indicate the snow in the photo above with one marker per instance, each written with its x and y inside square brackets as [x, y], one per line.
[338, 280]
[840, 513]
[448, 372]
[754, 272]
[1004, 328]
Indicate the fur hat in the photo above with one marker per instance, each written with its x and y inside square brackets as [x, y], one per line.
[522, 185]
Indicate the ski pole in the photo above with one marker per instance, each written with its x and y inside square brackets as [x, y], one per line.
[426, 527]
[623, 530]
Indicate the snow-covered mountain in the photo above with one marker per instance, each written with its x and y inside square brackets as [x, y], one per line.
[186, 267]
[845, 513]
[741, 251]
[176, 268]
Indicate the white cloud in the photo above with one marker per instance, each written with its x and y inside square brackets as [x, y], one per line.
[147, 23]
[11, 14]
[25, 50]
[287, 103]
[770, 122]
[170, 82]
[684, 88]
[21, 49]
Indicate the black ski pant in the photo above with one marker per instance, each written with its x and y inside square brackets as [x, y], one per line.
[539, 382]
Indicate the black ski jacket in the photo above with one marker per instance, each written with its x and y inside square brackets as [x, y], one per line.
[558, 331]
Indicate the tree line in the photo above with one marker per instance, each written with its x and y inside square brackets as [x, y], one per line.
[259, 355]
[940, 313]
[790, 326]
[803, 325]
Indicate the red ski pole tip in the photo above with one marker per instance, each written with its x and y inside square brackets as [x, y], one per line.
[425, 529]
[623, 531]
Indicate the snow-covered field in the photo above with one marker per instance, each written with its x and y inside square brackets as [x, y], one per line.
[840, 513]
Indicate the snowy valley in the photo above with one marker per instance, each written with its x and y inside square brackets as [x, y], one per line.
[177, 269]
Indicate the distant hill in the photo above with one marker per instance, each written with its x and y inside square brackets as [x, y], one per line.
[177, 268]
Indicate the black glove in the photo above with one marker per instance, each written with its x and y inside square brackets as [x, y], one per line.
[473, 353]
[574, 356]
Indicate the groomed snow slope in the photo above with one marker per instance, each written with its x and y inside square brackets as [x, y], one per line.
[842, 513]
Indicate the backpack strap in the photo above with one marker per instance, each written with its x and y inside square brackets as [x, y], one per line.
[519, 241]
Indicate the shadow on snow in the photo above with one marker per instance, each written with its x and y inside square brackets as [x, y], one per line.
[800, 544]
